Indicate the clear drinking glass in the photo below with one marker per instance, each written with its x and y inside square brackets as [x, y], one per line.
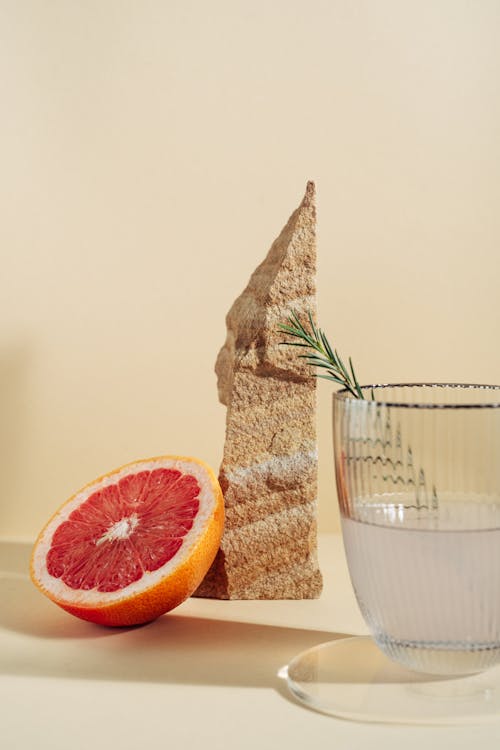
[418, 479]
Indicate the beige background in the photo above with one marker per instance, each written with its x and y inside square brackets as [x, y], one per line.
[151, 151]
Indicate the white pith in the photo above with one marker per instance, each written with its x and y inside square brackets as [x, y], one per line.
[70, 596]
[120, 530]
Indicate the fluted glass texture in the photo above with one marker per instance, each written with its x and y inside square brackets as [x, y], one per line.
[418, 480]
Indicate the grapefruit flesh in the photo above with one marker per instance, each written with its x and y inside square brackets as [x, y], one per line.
[133, 544]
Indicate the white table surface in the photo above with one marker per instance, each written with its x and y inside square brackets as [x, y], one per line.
[205, 675]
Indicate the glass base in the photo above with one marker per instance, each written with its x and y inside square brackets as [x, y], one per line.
[455, 659]
[352, 679]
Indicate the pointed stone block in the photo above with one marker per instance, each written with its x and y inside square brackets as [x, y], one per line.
[269, 469]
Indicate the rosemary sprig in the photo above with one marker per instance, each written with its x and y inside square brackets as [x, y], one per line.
[323, 356]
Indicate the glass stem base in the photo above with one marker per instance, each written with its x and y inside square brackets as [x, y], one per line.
[352, 679]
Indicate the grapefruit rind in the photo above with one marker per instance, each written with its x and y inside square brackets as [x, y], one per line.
[158, 591]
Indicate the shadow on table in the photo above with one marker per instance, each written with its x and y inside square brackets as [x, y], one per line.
[176, 648]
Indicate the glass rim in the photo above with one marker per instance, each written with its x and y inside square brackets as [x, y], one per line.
[345, 395]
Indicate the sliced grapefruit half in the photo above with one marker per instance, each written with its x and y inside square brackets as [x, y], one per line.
[134, 543]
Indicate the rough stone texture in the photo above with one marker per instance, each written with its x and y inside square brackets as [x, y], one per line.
[269, 469]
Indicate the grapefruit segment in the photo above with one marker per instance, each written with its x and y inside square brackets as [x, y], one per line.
[133, 544]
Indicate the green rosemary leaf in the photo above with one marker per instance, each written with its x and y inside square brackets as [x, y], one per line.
[342, 365]
[294, 319]
[329, 377]
[356, 384]
[327, 346]
[313, 326]
[325, 365]
[297, 330]
[323, 356]
[340, 382]
[316, 358]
